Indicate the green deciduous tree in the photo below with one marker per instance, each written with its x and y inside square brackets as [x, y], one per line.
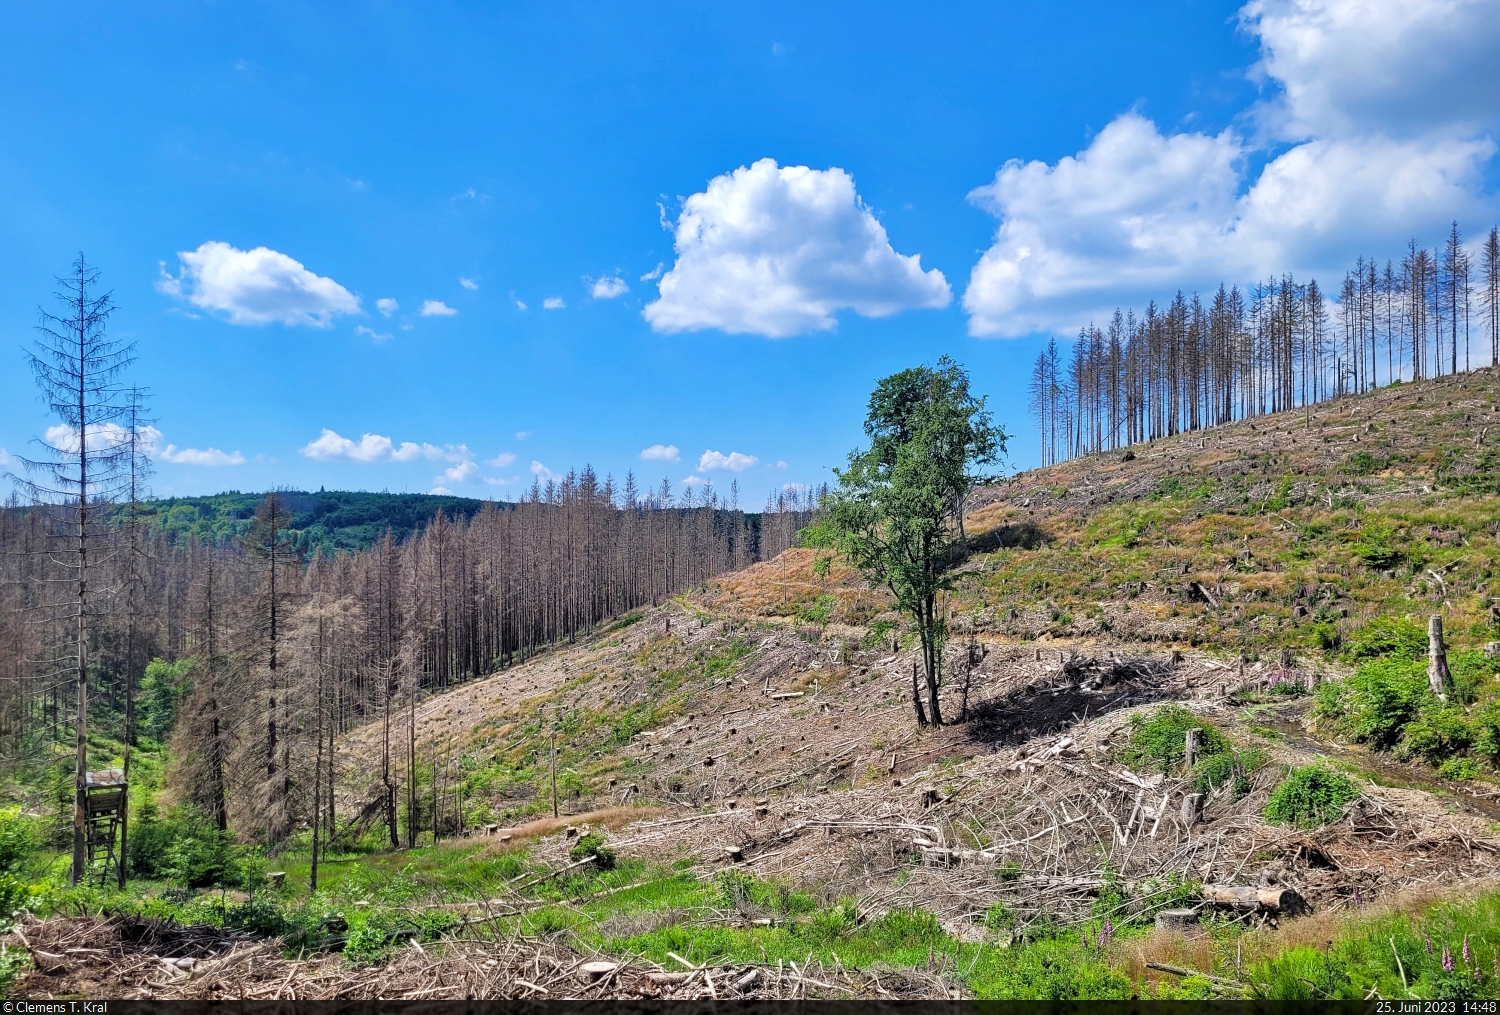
[898, 511]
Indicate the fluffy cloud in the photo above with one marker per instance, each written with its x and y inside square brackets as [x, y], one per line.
[460, 471]
[5, 458]
[661, 453]
[777, 251]
[541, 472]
[436, 308]
[654, 273]
[1385, 107]
[553, 303]
[387, 306]
[207, 456]
[1347, 67]
[468, 283]
[375, 448]
[148, 441]
[501, 460]
[440, 491]
[260, 286]
[608, 287]
[102, 437]
[734, 461]
[520, 305]
[375, 336]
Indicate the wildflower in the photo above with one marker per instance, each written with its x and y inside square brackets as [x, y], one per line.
[1447, 960]
[1468, 955]
[1428, 938]
[1085, 933]
[1106, 932]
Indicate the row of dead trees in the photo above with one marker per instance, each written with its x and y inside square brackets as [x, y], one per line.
[1194, 364]
[253, 659]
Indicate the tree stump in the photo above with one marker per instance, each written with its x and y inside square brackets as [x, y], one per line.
[1438, 677]
[593, 972]
[1191, 741]
[1192, 809]
[1181, 920]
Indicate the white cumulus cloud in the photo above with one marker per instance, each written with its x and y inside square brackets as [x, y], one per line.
[654, 273]
[260, 286]
[779, 250]
[734, 461]
[377, 448]
[608, 287]
[501, 460]
[553, 303]
[1388, 109]
[540, 471]
[468, 283]
[205, 456]
[460, 471]
[661, 453]
[375, 336]
[102, 437]
[387, 306]
[436, 308]
[440, 491]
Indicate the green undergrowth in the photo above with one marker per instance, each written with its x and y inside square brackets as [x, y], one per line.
[367, 907]
[1158, 739]
[1449, 951]
[1389, 704]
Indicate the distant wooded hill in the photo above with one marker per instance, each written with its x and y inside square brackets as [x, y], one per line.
[329, 520]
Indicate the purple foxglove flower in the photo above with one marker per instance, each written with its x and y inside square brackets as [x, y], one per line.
[1447, 960]
[1468, 955]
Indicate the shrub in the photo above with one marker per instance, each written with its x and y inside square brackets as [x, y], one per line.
[1381, 698]
[1310, 797]
[591, 847]
[1459, 769]
[209, 858]
[1161, 737]
[1217, 769]
[1437, 732]
[17, 840]
[1389, 636]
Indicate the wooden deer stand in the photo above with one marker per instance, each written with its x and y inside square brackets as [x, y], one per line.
[106, 801]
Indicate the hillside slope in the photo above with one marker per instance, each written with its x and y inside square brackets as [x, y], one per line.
[752, 743]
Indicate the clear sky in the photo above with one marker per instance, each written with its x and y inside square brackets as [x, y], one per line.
[437, 245]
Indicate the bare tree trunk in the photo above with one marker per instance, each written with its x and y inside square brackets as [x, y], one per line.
[1438, 677]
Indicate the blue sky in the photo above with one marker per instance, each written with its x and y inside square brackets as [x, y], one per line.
[255, 179]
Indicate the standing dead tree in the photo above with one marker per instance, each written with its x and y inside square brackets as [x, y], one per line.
[83, 458]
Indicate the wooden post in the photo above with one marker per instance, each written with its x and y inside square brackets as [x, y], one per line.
[1438, 677]
[1191, 741]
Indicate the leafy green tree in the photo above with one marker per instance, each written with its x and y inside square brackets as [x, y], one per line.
[898, 511]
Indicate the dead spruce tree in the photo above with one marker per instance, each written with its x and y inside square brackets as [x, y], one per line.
[81, 464]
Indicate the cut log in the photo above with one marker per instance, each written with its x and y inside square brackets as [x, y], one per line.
[1249, 899]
